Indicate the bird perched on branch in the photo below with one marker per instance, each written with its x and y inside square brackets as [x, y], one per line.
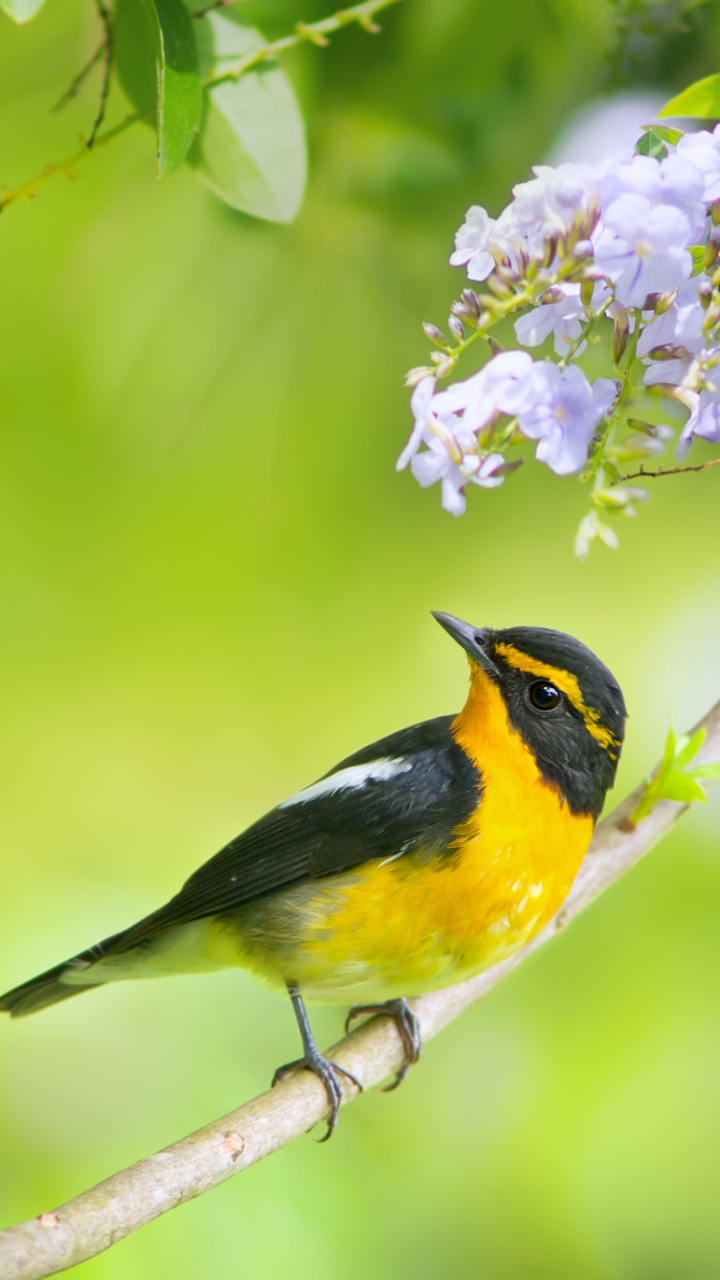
[413, 864]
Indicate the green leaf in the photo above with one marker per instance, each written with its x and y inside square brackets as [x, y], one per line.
[651, 144]
[700, 100]
[705, 770]
[159, 68]
[21, 10]
[698, 256]
[668, 754]
[668, 134]
[686, 748]
[251, 150]
[679, 786]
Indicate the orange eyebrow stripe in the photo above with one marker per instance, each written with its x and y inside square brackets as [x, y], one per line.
[565, 681]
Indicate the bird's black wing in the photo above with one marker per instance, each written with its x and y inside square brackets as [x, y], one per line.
[408, 790]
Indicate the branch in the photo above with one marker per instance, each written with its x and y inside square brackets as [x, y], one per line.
[28, 189]
[113, 1209]
[313, 32]
[106, 20]
[666, 471]
[307, 32]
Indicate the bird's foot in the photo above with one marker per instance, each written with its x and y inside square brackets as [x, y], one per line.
[329, 1074]
[407, 1024]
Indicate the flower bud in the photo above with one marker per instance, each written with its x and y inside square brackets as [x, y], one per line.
[715, 212]
[705, 292]
[650, 429]
[471, 300]
[445, 367]
[498, 287]
[660, 302]
[668, 351]
[456, 328]
[550, 296]
[550, 249]
[523, 260]
[508, 274]
[587, 288]
[502, 259]
[434, 334]
[620, 330]
[619, 497]
[462, 312]
[683, 395]
[583, 249]
[414, 376]
[638, 447]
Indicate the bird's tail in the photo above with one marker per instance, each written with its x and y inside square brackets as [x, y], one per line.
[65, 980]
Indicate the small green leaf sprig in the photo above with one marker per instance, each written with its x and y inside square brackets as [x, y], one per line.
[676, 778]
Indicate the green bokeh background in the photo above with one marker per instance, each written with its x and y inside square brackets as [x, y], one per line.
[213, 585]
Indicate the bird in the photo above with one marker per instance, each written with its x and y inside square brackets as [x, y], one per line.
[419, 861]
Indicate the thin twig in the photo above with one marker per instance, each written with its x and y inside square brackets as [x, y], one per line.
[106, 19]
[306, 32]
[113, 1209]
[28, 189]
[80, 78]
[642, 474]
[361, 13]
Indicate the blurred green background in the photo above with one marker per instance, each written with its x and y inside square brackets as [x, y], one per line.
[213, 585]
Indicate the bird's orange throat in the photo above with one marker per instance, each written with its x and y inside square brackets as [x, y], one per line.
[523, 840]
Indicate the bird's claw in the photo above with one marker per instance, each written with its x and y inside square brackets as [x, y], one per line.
[408, 1027]
[328, 1073]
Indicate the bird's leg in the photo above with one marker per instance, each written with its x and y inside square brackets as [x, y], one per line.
[328, 1072]
[408, 1027]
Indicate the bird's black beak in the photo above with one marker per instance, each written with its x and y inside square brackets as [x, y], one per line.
[473, 639]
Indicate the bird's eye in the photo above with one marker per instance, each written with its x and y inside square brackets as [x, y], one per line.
[544, 696]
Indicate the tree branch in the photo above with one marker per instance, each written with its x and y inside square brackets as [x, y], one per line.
[113, 1209]
[642, 474]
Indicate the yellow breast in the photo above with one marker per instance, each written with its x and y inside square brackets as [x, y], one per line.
[407, 925]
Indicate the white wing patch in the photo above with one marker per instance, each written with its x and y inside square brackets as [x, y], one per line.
[357, 775]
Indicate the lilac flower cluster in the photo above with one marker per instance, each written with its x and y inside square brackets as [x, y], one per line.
[626, 250]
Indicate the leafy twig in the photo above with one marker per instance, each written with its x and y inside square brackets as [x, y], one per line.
[675, 778]
[106, 19]
[314, 32]
[307, 32]
[667, 471]
[123, 1203]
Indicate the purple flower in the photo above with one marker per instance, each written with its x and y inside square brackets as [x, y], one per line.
[704, 421]
[642, 248]
[501, 386]
[675, 181]
[680, 326]
[451, 450]
[565, 412]
[471, 243]
[703, 150]
[437, 463]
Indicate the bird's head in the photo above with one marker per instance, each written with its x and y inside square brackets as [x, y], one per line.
[564, 702]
